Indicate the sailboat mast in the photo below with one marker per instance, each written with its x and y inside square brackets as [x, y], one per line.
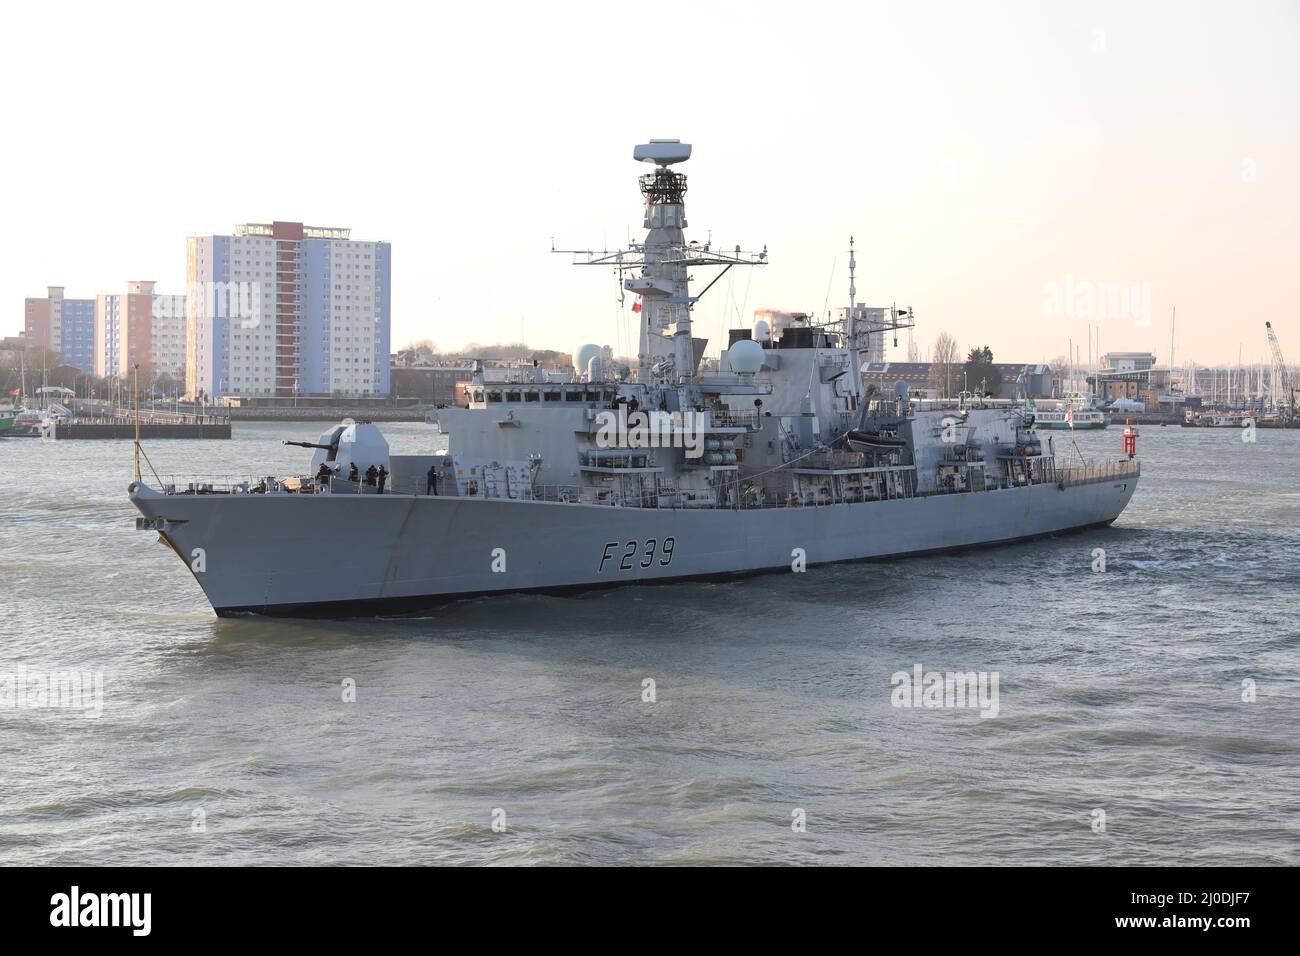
[135, 400]
[1173, 321]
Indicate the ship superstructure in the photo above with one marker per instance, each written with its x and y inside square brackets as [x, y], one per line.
[777, 459]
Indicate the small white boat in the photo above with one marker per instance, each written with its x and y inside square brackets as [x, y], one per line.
[1076, 411]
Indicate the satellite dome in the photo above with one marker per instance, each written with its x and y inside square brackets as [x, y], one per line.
[900, 389]
[745, 357]
[762, 331]
[596, 368]
[582, 358]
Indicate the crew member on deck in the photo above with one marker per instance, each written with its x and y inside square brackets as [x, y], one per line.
[352, 473]
[323, 477]
[382, 477]
[431, 485]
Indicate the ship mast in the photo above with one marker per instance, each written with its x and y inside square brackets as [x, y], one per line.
[663, 284]
[853, 289]
[661, 264]
[855, 342]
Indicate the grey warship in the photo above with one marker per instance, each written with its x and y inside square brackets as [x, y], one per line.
[776, 457]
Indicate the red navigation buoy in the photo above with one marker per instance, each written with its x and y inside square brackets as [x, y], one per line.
[1130, 438]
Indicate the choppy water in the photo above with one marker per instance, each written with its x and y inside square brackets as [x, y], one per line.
[1118, 691]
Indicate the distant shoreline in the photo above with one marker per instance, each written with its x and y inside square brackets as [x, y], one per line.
[409, 414]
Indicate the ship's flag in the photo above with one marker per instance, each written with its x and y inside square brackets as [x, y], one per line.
[1069, 416]
[636, 306]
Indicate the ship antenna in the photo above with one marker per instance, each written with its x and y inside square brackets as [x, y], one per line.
[853, 264]
[830, 281]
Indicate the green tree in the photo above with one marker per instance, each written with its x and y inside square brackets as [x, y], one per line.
[982, 376]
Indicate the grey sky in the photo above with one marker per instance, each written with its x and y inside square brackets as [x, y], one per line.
[979, 152]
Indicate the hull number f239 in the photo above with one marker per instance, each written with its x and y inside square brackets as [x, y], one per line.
[629, 555]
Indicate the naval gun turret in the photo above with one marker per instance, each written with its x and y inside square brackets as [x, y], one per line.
[346, 444]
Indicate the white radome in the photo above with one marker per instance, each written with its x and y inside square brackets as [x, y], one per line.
[582, 358]
[745, 357]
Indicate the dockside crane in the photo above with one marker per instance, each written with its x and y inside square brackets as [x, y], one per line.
[1283, 388]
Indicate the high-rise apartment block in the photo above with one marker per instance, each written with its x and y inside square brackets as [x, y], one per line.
[140, 326]
[284, 309]
[63, 325]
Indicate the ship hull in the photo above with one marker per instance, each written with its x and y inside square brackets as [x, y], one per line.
[344, 555]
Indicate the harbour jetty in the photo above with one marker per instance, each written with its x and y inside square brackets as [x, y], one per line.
[326, 409]
[403, 413]
[93, 420]
[119, 429]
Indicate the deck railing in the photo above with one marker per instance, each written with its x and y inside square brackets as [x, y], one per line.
[1101, 471]
[283, 484]
[753, 496]
[729, 418]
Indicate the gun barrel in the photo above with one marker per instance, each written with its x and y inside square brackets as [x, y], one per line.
[305, 444]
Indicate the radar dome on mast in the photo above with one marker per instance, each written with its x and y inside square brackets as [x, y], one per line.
[663, 152]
